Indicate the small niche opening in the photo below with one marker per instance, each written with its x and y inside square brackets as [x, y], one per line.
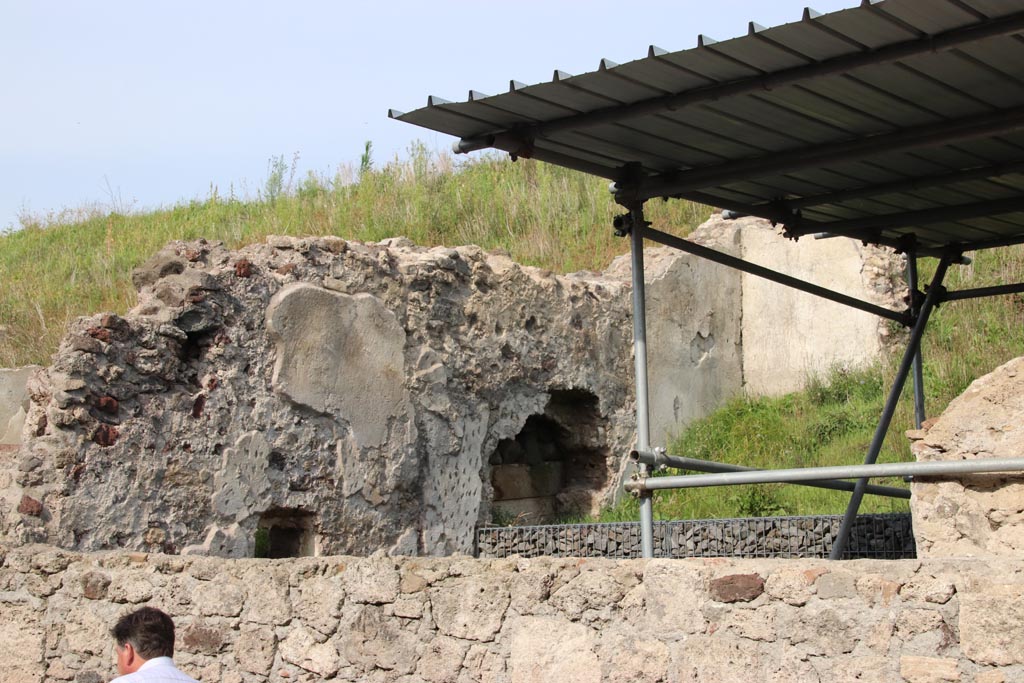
[285, 533]
[556, 466]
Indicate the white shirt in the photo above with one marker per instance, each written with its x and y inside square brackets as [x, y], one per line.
[156, 669]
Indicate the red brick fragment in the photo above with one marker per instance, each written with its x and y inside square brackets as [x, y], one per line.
[737, 588]
[105, 435]
[30, 506]
[108, 405]
[243, 268]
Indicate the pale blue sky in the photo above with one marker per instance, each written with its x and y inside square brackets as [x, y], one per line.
[134, 104]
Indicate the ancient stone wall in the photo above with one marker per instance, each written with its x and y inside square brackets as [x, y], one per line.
[455, 620]
[789, 336]
[322, 397]
[315, 396]
[979, 515]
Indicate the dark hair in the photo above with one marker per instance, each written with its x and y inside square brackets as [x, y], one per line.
[150, 631]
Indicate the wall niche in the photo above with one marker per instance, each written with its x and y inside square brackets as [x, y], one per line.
[285, 532]
[555, 467]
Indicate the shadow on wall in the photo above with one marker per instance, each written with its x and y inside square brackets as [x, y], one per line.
[557, 465]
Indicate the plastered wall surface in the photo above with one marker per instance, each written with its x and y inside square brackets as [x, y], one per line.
[455, 619]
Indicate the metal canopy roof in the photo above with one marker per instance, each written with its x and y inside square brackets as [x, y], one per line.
[899, 122]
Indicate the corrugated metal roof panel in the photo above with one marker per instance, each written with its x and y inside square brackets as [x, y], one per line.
[899, 110]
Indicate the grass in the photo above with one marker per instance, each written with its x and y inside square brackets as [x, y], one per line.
[79, 262]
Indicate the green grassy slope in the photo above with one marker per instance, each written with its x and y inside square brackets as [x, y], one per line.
[52, 272]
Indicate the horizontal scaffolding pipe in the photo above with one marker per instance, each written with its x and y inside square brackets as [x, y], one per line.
[982, 292]
[657, 459]
[768, 274]
[792, 476]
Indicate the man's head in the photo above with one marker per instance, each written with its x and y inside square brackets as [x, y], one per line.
[142, 635]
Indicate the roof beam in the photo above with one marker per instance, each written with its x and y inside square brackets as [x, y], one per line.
[908, 185]
[944, 132]
[1010, 24]
[861, 228]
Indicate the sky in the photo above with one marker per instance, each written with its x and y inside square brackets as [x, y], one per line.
[129, 105]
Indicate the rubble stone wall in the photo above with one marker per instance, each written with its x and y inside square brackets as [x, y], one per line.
[978, 515]
[341, 397]
[455, 620]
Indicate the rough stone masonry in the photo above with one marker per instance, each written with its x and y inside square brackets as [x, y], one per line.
[318, 396]
[458, 620]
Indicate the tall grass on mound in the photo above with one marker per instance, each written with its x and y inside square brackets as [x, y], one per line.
[52, 271]
[833, 420]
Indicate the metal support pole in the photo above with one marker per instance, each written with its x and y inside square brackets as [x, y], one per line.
[657, 459]
[915, 309]
[934, 295]
[981, 292]
[919, 470]
[643, 425]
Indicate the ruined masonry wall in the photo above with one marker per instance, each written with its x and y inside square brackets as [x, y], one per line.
[344, 397]
[455, 620]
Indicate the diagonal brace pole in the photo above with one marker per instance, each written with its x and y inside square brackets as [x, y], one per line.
[933, 297]
[760, 271]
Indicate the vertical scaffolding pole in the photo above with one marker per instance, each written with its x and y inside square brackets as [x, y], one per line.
[913, 345]
[915, 309]
[643, 427]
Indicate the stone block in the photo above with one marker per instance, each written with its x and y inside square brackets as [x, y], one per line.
[202, 637]
[370, 639]
[305, 649]
[929, 669]
[220, 598]
[686, 582]
[737, 588]
[547, 649]
[836, 584]
[23, 640]
[471, 608]
[992, 624]
[374, 580]
[442, 660]
[793, 584]
[718, 658]
[255, 648]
